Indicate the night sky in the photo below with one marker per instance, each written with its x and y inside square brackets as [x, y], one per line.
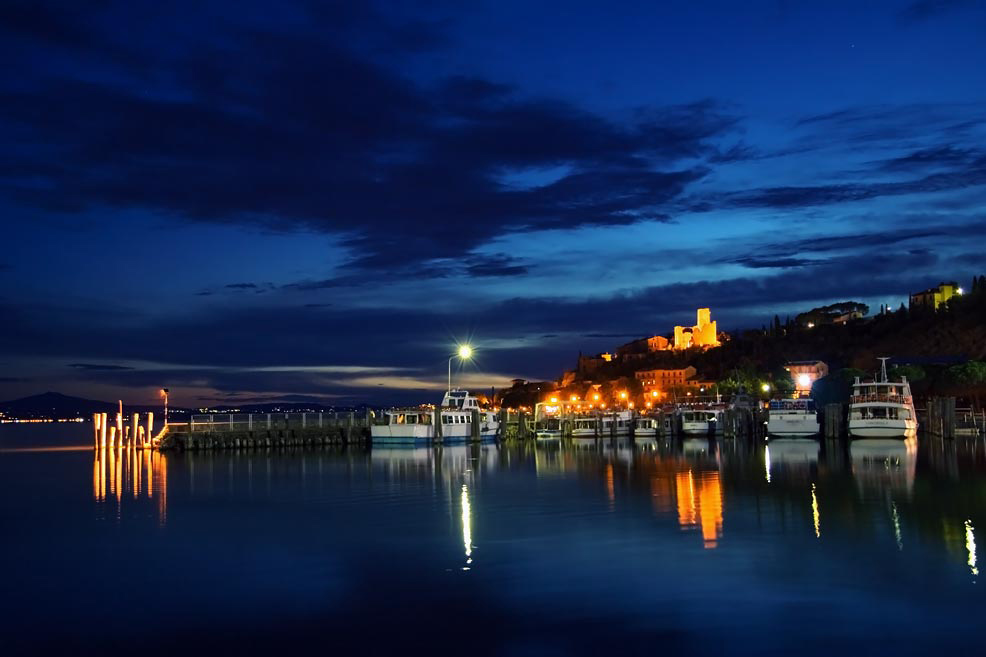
[250, 201]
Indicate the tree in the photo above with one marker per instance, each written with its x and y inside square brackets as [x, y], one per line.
[969, 374]
[912, 372]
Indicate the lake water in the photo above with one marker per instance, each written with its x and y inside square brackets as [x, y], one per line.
[703, 548]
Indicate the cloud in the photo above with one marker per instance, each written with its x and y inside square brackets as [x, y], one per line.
[754, 262]
[496, 265]
[922, 10]
[242, 286]
[302, 129]
[92, 367]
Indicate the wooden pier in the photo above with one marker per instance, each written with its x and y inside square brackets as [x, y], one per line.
[262, 430]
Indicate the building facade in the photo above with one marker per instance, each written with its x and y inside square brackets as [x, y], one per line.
[703, 334]
[935, 296]
[804, 373]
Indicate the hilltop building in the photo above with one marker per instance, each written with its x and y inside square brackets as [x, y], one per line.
[935, 296]
[658, 343]
[703, 334]
[804, 373]
[664, 379]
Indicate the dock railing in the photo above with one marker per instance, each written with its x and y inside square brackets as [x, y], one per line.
[213, 422]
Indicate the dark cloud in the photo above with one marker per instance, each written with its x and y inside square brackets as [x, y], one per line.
[92, 367]
[754, 262]
[933, 157]
[242, 286]
[302, 130]
[973, 175]
[922, 10]
[498, 265]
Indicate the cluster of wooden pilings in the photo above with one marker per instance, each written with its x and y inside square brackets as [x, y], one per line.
[137, 434]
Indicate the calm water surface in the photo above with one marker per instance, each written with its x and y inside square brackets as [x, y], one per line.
[701, 548]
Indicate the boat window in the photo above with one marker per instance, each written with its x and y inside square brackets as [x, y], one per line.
[412, 419]
[400, 419]
[878, 412]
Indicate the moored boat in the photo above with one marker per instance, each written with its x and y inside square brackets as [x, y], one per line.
[882, 408]
[791, 418]
[700, 421]
[450, 423]
[646, 427]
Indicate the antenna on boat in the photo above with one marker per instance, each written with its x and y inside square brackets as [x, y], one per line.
[883, 368]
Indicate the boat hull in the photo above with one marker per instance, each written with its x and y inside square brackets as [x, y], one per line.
[793, 426]
[882, 429]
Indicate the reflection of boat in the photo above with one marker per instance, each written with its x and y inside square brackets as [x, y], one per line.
[645, 426]
[882, 409]
[417, 425]
[884, 463]
[791, 453]
[695, 446]
[700, 421]
[792, 417]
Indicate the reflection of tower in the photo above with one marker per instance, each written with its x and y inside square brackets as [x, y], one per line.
[706, 507]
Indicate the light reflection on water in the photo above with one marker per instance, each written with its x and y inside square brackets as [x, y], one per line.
[701, 538]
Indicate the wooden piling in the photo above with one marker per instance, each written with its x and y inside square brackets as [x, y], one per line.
[832, 420]
[474, 428]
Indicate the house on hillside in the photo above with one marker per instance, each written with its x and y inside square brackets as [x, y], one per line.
[935, 296]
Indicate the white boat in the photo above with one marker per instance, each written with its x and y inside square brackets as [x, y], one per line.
[881, 408]
[646, 427]
[417, 425]
[622, 421]
[548, 429]
[700, 421]
[792, 418]
[585, 427]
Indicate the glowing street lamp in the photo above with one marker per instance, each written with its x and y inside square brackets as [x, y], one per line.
[464, 353]
[765, 387]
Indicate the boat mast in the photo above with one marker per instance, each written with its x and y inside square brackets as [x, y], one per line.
[883, 368]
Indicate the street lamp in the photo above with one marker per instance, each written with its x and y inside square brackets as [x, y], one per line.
[464, 353]
[765, 387]
[164, 393]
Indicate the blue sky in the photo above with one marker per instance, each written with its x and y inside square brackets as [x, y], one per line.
[249, 201]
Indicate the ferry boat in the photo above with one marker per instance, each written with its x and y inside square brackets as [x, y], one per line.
[416, 426]
[790, 418]
[882, 408]
[700, 421]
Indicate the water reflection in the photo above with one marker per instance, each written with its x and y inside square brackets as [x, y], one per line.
[881, 466]
[701, 485]
[120, 474]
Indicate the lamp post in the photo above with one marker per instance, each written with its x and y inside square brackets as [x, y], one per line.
[464, 353]
[164, 393]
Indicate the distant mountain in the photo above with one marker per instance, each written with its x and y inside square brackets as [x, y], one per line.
[54, 405]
